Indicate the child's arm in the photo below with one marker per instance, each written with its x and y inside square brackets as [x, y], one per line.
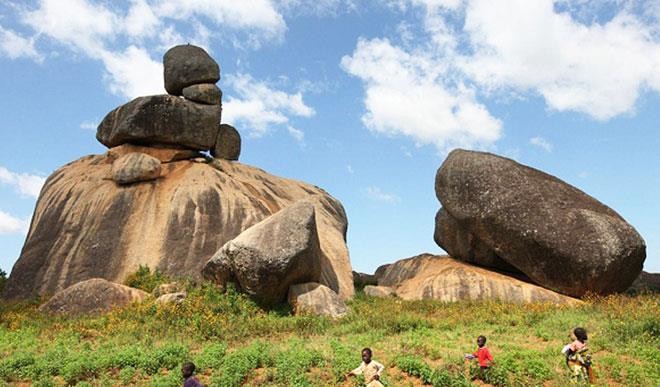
[379, 368]
[356, 371]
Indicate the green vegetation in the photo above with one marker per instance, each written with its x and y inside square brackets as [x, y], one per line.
[145, 279]
[234, 342]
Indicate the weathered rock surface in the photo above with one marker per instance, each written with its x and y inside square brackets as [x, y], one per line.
[172, 287]
[272, 255]
[314, 298]
[187, 65]
[135, 167]
[459, 242]
[165, 155]
[443, 278]
[171, 298]
[228, 144]
[394, 274]
[86, 226]
[646, 282]
[560, 237]
[360, 280]
[92, 296]
[379, 291]
[207, 93]
[161, 120]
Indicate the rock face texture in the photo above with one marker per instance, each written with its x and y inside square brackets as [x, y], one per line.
[443, 278]
[646, 282]
[161, 120]
[314, 298]
[187, 65]
[272, 255]
[85, 225]
[92, 296]
[135, 167]
[560, 237]
[171, 298]
[379, 291]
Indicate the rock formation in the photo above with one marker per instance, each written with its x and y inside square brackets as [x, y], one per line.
[91, 221]
[442, 278]
[92, 296]
[267, 258]
[314, 298]
[499, 213]
[379, 291]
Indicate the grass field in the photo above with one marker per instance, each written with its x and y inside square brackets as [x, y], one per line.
[233, 342]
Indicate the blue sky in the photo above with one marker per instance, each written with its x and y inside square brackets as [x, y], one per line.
[362, 98]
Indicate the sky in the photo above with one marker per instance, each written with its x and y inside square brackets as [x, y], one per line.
[362, 98]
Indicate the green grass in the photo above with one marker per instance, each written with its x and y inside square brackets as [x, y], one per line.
[234, 342]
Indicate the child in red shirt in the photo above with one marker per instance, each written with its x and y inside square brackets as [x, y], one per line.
[482, 355]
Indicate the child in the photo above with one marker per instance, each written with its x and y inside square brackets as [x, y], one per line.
[370, 368]
[482, 355]
[577, 358]
[188, 369]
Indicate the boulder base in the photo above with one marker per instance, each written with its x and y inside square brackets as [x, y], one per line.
[161, 120]
[314, 298]
[86, 226]
[94, 295]
[442, 278]
[165, 155]
[560, 237]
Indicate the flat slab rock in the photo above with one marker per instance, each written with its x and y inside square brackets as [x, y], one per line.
[379, 291]
[272, 255]
[317, 299]
[445, 279]
[94, 295]
[161, 120]
[174, 224]
[557, 235]
[165, 155]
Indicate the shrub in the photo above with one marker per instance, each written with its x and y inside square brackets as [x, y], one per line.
[211, 357]
[145, 280]
[293, 363]
[238, 364]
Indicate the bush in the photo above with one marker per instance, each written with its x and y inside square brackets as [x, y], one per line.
[293, 363]
[145, 280]
[238, 364]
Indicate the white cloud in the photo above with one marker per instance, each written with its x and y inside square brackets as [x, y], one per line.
[15, 46]
[431, 88]
[258, 106]
[410, 93]
[317, 7]
[119, 36]
[133, 73]
[26, 184]
[12, 225]
[376, 194]
[89, 125]
[597, 69]
[297, 134]
[541, 143]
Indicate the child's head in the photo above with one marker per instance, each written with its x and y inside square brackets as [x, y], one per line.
[580, 334]
[366, 355]
[481, 341]
[187, 369]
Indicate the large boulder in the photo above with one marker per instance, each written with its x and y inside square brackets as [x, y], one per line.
[135, 167]
[187, 65]
[86, 226]
[161, 120]
[560, 237]
[314, 298]
[379, 291]
[272, 255]
[460, 242]
[443, 278]
[646, 282]
[94, 295]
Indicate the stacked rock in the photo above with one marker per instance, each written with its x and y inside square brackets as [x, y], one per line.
[168, 121]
